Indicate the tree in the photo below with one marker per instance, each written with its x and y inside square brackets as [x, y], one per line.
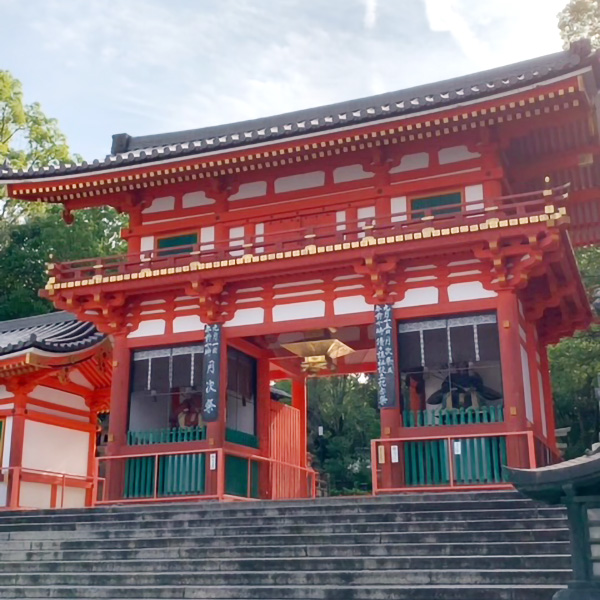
[575, 365]
[346, 408]
[580, 19]
[30, 232]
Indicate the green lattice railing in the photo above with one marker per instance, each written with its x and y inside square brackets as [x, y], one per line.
[168, 435]
[240, 437]
[453, 416]
[475, 461]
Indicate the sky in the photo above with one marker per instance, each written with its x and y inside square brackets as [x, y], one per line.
[149, 66]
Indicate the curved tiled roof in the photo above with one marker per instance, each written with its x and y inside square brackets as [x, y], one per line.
[59, 332]
[129, 151]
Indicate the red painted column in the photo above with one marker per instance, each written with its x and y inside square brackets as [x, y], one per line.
[299, 401]
[17, 440]
[215, 430]
[512, 375]
[263, 426]
[548, 397]
[119, 417]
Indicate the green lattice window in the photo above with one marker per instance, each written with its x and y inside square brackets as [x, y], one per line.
[178, 244]
[440, 204]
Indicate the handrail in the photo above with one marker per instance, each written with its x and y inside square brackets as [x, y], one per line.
[503, 207]
[15, 476]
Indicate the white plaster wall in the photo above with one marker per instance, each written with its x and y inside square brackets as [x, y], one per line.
[76, 377]
[398, 208]
[474, 197]
[303, 181]
[35, 495]
[527, 385]
[340, 219]
[236, 238]
[456, 154]
[150, 327]
[187, 323]
[350, 305]
[194, 199]
[247, 316]
[207, 238]
[4, 393]
[411, 162]
[350, 173]
[250, 190]
[59, 397]
[419, 297]
[299, 310]
[74, 497]
[53, 448]
[469, 290]
[160, 205]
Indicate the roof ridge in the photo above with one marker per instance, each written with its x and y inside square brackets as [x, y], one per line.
[61, 316]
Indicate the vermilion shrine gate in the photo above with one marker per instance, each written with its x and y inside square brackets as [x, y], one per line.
[424, 235]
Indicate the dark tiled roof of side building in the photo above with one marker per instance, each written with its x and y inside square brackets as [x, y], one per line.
[58, 332]
[128, 151]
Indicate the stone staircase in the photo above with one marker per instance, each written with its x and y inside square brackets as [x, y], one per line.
[460, 546]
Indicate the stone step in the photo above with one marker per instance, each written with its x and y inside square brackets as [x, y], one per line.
[192, 520]
[326, 592]
[329, 563]
[298, 529]
[483, 535]
[411, 549]
[297, 578]
[259, 509]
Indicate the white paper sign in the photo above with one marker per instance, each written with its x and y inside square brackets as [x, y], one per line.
[213, 462]
[457, 447]
[395, 457]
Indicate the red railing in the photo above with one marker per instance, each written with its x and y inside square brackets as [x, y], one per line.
[502, 208]
[449, 462]
[200, 474]
[12, 490]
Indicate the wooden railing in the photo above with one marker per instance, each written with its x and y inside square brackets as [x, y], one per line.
[464, 214]
[215, 474]
[167, 435]
[452, 416]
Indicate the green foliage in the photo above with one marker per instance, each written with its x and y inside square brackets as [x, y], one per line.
[31, 232]
[575, 365]
[346, 408]
[580, 19]
[28, 245]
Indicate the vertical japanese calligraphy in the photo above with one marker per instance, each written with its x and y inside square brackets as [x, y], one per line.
[211, 366]
[386, 363]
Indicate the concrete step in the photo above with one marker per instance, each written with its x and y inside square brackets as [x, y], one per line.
[192, 520]
[524, 548]
[329, 563]
[295, 578]
[275, 529]
[484, 536]
[327, 592]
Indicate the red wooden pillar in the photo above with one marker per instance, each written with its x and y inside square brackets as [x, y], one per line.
[512, 376]
[17, 439]
[215, 429]
[119, 417]
[263, 425]
[299, 401]
[388, 394]
[548, 397]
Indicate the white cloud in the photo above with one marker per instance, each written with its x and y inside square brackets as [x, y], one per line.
[370, 13]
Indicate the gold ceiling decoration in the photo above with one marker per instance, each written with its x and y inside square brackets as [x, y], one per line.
[318, 354]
